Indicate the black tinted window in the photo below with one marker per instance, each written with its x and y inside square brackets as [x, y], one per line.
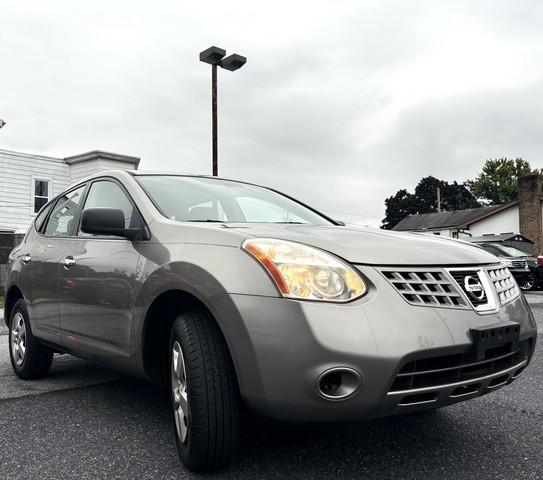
[40, 218]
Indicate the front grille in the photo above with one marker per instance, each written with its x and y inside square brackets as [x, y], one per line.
[448, 369]
[504, 284]
[519, 264]
[430, 287]
[462, 278]
[483, 288]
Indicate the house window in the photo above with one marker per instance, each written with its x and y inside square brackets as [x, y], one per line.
[41, 194]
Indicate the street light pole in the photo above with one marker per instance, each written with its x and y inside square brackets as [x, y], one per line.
[215, 133]
[215, 57]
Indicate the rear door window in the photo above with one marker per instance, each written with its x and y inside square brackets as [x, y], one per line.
[60, 223]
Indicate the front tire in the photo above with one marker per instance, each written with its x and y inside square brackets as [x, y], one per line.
[528, 284]
[29, 358]
[204, 393]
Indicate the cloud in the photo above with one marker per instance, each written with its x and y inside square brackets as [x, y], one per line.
[340, 103]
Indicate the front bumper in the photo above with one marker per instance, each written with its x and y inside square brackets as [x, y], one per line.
[280, 347]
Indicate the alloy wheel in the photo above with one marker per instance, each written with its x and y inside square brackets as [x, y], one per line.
[179, 393]
[18, 339]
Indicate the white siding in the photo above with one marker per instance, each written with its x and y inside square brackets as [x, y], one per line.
[437, 231]
[501, 222]
[17, 174]
[81, 170]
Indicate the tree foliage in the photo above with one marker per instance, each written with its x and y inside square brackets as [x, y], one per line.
[454, 196]
[497, 182]
[398, 207]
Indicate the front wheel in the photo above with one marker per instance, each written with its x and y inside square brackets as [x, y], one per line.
[528, 283]
[204, 393]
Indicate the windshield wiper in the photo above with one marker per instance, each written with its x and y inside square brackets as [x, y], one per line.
[223, 221]
[207, 220]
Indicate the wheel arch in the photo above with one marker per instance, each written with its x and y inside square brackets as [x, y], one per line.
[13, 294]
[157, 325]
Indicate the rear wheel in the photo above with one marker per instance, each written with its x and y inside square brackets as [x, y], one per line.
[29, 358]
[204, 393]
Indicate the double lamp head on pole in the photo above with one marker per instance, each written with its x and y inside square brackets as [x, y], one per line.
[216, 57]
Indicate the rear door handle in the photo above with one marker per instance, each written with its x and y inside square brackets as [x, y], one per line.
[69, 262]
[26, 258]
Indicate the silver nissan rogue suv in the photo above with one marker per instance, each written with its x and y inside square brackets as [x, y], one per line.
[232, 294]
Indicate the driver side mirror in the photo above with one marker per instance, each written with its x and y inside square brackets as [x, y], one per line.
[107, 221]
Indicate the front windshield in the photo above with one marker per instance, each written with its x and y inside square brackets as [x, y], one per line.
[200, 199]
[504, 250]
[512, 252]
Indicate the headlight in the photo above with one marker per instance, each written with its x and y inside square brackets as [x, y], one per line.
[304, 272]
[508, 263]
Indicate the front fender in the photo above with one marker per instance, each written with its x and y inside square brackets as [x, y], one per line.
[203, 271]
[200, 269]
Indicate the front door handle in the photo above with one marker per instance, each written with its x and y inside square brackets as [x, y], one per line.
[26, 258]
[69, 262]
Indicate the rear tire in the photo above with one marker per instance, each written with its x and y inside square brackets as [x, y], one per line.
[204, 393]
[29, 358]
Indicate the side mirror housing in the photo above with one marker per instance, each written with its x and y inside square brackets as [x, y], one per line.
[106, 221]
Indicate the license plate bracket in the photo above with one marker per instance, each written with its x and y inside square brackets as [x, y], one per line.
[497, 335]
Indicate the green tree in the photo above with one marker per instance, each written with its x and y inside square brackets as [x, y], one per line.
[454, 196]
[398, 207]
[497, 182]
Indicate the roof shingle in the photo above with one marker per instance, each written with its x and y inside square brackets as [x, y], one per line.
[428, 221]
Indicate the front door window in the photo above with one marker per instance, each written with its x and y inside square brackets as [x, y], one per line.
[106, 194]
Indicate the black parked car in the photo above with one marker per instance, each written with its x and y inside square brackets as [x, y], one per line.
[538, 270]
[522, 266]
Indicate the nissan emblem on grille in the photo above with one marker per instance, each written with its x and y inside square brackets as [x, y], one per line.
[471, 282]
[474, 287]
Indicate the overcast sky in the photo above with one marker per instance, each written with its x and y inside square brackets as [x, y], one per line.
[341, 103]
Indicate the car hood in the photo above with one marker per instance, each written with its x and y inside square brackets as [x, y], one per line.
[372, 246]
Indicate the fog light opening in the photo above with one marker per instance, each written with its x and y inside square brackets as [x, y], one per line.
[338, 383]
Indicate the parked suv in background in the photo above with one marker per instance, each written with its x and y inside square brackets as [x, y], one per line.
[229, 294]
[522, 266]
[538, 270]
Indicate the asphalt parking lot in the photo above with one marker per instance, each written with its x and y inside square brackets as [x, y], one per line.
[85, 422]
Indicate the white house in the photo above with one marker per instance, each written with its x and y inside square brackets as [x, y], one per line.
[28, 181]
[524, 216]
[465, 223]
